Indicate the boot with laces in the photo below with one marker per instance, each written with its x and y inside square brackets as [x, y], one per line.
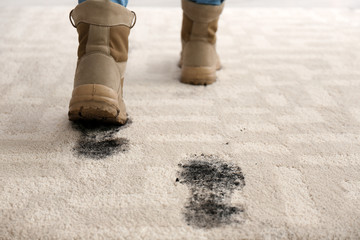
[103, 28]
[199, 60]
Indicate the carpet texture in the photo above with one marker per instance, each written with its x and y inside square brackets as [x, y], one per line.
[270, 151]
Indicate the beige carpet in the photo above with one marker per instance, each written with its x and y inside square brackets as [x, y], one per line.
[271, 151]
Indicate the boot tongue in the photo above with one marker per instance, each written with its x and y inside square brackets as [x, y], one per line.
[102, 13]
[201, 12]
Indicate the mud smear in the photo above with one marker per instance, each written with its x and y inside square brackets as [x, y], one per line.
[212, 183]
[98, 141]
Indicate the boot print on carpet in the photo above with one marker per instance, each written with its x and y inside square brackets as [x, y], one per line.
[99, 141]
[211, 182]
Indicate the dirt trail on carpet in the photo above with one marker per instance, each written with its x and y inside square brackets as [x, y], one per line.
[270, 151]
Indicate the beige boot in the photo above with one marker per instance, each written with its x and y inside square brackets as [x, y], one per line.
[103, 28]
[199, 60]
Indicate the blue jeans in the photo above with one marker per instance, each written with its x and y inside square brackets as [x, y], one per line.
[208, 2]
[122, 2]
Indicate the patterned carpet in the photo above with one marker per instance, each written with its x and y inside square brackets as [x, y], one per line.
[271, 151]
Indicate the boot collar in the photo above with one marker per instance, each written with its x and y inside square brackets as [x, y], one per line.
[201, 12]
[102, 13]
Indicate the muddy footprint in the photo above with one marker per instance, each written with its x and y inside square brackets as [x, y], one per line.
[212, 183]
[98, 141]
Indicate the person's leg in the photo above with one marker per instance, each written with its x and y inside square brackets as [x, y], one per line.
[103, 27]
[199, 60]
[208, 2]
[122, 2]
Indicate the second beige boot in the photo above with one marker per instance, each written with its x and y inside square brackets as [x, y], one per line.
[199, 60]
[103, 28]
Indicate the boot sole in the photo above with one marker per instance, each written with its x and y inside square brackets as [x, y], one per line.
[198, 75]
[96, 102]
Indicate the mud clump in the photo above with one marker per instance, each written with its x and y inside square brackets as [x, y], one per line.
[99, 141]
[211, 182]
